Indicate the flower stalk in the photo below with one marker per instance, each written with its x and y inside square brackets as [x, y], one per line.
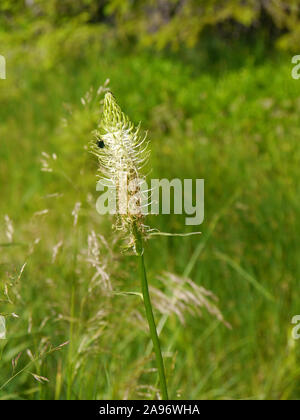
[150, 318]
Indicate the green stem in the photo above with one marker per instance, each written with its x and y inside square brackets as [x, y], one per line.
[150, 318]
[71, 333]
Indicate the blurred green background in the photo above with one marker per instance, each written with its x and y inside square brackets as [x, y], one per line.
[211, 82]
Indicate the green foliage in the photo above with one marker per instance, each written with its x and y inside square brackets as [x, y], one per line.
[217, 114]
[162, 23]
[177, 22]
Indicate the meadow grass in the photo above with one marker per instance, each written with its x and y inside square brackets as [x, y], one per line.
[234, 125]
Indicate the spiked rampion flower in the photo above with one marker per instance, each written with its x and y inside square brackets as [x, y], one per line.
[122, 152]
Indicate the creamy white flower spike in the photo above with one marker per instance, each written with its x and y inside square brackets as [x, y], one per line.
[122, 152]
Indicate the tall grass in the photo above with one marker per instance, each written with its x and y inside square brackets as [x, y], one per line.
[237, 127]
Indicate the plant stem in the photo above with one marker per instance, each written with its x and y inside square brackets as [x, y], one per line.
[151, 321]
[71, 333]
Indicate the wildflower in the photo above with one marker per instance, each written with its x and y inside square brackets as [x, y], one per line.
[122, 152]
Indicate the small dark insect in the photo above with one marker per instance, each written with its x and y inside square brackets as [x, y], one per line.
[100, 143]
